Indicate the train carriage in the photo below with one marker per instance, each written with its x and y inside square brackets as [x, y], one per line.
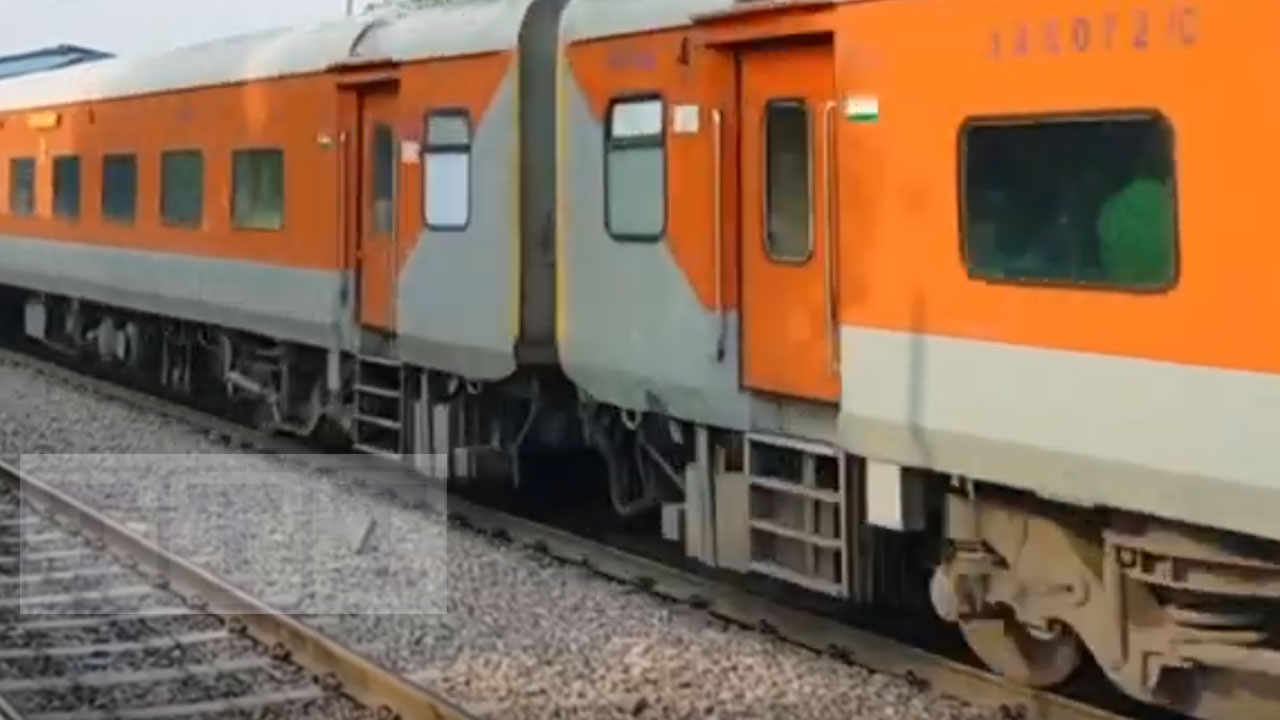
[828, 285]
[325, 206]
[903, 253]
[118, 184]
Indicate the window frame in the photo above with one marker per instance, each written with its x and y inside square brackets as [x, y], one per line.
[165, 221]
[284, 187]
[428, 147]
[608, 146]
[102, 195]
[1083, 116]
[811, 225]
[54, 162]
[34, 207]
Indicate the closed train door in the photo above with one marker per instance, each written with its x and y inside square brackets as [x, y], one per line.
[376, 234]
[790, 332]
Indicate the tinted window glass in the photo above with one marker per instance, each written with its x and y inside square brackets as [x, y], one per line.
[66, 187]
[257, 200]
[182, 188]
[22, 186]
[119, 187]
[787, 180]
[1078, 201]
[383, 153]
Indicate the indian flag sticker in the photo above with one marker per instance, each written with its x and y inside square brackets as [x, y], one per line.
[862, 108]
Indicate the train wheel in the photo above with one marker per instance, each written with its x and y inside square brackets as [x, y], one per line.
[1022, 654]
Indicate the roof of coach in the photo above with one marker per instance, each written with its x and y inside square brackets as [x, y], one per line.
[273, 53]
[588, 19]
[457, 27]
[461, 27]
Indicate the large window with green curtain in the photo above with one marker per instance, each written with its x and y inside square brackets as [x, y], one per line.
[1085, 201]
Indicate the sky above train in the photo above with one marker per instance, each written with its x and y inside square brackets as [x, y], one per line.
[128, 27]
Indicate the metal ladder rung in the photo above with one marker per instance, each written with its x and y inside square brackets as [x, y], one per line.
[831, 497]
[801, 536]
[788, 442]
[764, 567]
[378, 391]
[380, 422]
[379, 360]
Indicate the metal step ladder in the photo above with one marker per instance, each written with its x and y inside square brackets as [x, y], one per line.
[797, 514]
[378, 411]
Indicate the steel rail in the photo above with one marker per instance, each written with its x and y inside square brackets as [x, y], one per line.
[8, 712]
[341, 668]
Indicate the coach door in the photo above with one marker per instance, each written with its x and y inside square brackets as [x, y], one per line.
[376, 234]
[789, 326]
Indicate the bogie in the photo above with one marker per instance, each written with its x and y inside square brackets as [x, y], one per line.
[1169, 614]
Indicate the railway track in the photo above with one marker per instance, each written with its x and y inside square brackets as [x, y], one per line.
[721, 600]
[97, 622]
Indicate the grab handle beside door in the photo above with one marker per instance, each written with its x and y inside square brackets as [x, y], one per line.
[828, 235]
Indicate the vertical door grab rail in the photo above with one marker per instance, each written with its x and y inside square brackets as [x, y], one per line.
[829, 201]
[393, 261]
[343, 233]
[717, 224]
[348, 248]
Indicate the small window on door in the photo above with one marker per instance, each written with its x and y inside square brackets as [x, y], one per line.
[446, 170]
[383, 202]
[788, 202]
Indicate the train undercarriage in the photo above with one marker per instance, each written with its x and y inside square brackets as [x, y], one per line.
[1176, 616]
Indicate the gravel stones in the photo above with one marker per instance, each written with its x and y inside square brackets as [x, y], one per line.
[502, 630]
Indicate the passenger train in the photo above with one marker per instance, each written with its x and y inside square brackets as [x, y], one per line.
[982, 274]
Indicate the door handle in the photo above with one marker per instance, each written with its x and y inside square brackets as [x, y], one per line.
[828, 234]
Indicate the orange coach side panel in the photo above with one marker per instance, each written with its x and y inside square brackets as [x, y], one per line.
[296, 115]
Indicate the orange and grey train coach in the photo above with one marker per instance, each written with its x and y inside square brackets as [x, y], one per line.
[823, 283]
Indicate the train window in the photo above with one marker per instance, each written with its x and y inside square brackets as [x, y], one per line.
[788, 179]
[446, 170]
[119, 187]
[1087, 201]
[383, 151]
[66, 187]
[22, 186]
[182, 188]
[257, 189]
[635, 169]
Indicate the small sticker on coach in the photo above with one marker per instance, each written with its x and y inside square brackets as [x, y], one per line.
[685, 119]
